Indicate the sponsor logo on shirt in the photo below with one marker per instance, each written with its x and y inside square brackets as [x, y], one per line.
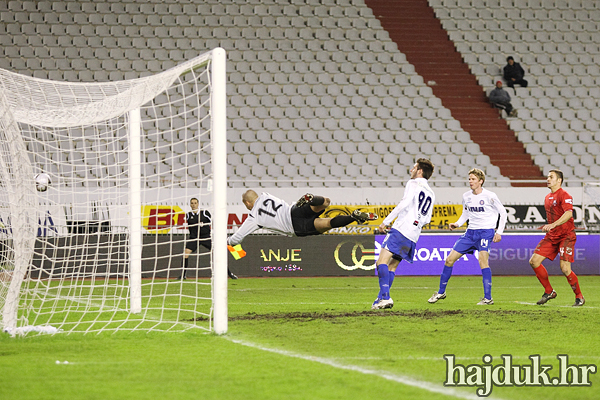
[476, 209]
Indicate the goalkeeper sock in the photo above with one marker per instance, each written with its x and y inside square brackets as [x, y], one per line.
[317, 201]
[542, 275]
[444, 278]
[341, 220]
[384, 281]
[487, 283]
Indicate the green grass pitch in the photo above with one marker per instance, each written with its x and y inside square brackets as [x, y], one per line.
[317, 338]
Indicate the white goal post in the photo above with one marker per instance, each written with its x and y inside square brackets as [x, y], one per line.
[101, 249]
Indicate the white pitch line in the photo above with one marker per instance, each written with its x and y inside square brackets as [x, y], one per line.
[430, 387]
[410, 358]
[551, 305]
[371, 288]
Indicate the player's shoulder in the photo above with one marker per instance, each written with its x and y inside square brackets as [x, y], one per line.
[563, 193]
[419, 182]
[489, 193]
[565, 197]
[268, 195]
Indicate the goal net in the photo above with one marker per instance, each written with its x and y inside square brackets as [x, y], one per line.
[100, 247]
[590, 205]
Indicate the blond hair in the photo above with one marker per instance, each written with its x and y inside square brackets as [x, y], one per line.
[478, 173]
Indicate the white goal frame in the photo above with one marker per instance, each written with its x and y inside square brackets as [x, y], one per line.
[13, 112]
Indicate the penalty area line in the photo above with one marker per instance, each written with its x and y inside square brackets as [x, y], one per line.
[431, 387]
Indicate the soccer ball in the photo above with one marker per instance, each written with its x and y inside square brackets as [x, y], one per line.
[42, 181]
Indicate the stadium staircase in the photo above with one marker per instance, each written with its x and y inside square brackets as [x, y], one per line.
[413, 26]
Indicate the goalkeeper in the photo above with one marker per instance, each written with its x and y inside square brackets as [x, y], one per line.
[198, 223]
[300, 219]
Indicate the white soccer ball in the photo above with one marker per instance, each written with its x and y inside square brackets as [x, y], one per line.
[42, 181]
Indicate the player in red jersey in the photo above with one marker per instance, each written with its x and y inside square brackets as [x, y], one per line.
[560, 238]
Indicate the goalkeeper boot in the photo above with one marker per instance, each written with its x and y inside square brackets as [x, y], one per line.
[362, 217]
[231, 274]
[437, 296]
[546, 297]
[306, 199]
[579, 301]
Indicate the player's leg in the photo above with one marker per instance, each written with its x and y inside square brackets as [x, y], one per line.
[566, 258]
[320, 203]
[395, 247]
[393, 265]
[545, 249]
[317, 203]
[382, 265]
[184, 263]
[445, 276]
[324, 224]
[565, 267]
[486, 274]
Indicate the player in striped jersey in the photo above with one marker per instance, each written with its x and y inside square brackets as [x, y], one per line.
[481, 208]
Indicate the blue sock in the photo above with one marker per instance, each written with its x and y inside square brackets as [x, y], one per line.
[487, 283]
[384, 281]
[444, 278]
[391, 277]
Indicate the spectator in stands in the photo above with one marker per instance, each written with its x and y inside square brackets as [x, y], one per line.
[500, 98]
[514, 73]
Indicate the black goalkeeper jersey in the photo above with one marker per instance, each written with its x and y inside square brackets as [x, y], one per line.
[198, 223]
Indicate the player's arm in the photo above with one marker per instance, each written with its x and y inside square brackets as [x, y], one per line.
[462, 219]
[503, 217]
[250, 225]
[205, 218]
[408, 196]
[563, 219]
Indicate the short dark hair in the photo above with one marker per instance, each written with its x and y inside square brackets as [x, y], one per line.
[509, 58]
[193, 198]
[559, 174]
[426, 166]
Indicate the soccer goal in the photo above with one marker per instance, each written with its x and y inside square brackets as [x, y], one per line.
[98, 246]
[590, 205]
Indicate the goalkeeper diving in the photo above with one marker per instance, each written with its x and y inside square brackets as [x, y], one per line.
[300, 219]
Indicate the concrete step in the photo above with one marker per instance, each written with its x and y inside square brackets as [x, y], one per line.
[412, 25]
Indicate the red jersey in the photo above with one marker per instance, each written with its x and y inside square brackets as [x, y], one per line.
[556, 204]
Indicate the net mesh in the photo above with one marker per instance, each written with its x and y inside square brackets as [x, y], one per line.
[591, 205]
[66, 251]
